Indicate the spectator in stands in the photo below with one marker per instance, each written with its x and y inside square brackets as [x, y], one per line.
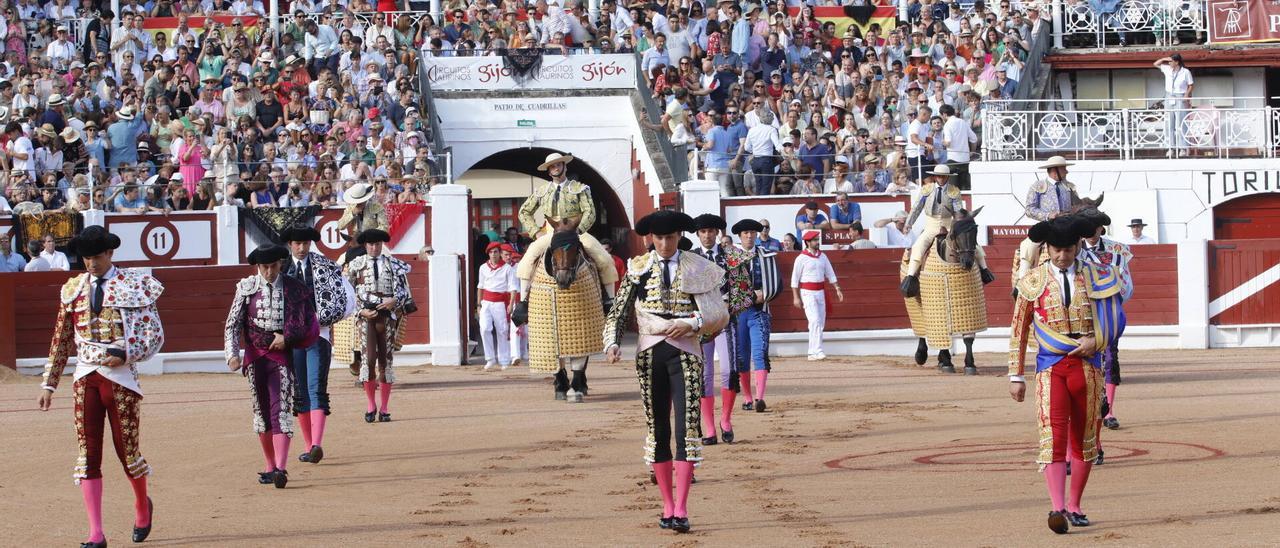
[875, 180]
[805, 183]
[896, 234]
[763, 240]
[789, 243]
[859, 237]
[844, 213]
[38, 263]
[57, 260]
[839, 182]
[1136, 236]
[763, 144]
[10, 260]
[811, 218]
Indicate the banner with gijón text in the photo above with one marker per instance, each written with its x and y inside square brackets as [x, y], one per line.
[616, 71]
[1238, 21]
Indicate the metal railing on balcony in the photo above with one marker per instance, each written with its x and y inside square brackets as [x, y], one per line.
[1151, 130]
[1097, 23]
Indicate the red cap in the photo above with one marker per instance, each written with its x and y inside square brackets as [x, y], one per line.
[506, 247]
[373, 113]
[810, 235]
[492, 246]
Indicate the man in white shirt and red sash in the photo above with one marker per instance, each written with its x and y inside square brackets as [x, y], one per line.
[809, 278]
[493, 295]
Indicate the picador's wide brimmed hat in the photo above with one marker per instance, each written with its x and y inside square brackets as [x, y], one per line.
[1056, 161]
[665, 222]
[555, 158]
[1062, 231]
[373, 236]
[300, 234]
[267, 254]
[941, 170]
[358, 193]
[1136, 222]
[709, 220]
[747, 224]
[93, 240]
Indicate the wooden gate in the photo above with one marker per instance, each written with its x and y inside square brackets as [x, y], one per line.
[1248, 218]
[1242, 282]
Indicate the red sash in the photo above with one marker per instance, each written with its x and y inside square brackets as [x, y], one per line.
[493, 296]
[819, 286]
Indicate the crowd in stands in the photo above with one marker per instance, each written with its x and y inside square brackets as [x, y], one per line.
[121, 117]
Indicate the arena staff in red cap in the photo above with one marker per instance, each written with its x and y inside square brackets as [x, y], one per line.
[493, 299]
[809, 278]
[95, 312]
[1074, 309]
[676, 298]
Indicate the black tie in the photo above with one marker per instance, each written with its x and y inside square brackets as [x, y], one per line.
[666, 275]
[1066, 288]
[555, 203]
[375, 270]
[98, 296]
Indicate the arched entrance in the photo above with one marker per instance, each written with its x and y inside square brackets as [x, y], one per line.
[611, 218]
[1248, 218]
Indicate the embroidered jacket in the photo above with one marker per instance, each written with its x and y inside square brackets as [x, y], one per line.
[128, 321]
[392, 280]
[1038, 308]
[260, 310]
[334, 296]
[693, 296]
[737, 280]
[762, 275]
[1043, 199]
[573, 200]
[940, 203]
[1113, 254]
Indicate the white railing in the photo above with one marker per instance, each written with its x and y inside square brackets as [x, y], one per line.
[1152, 131]
[367, 18]
[1082, 24]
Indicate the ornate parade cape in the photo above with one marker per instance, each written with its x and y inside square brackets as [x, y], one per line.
[1114, 255]
[1095, 308]
[334, 296]
[129, 321]
[291, 313]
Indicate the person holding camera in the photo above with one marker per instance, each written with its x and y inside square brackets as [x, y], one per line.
[382, 298]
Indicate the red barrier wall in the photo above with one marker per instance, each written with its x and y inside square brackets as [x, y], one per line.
[1232, 263]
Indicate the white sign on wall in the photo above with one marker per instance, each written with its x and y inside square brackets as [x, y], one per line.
[557, 72]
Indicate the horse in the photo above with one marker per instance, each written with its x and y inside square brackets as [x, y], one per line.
[951, 300]
[565, 313]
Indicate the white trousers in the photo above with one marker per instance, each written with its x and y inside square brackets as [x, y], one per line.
[815, 309]
[711, 350]
[493, 317]
[519, 343]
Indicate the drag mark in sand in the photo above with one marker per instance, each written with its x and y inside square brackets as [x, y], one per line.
[1015, 457]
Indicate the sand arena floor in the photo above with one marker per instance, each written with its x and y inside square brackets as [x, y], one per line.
[856, 451]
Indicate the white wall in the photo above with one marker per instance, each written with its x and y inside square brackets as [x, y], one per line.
[479, 128]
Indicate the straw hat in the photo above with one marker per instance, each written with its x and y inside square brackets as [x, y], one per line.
[47, 130]
[554, 158]
[70, 135]
[358, 193]
[1056, 161]
[942, 170]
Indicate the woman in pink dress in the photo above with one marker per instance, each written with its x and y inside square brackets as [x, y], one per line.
[17, 37]
[191, 158]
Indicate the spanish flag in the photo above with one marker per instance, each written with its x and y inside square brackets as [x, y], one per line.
[858, 16]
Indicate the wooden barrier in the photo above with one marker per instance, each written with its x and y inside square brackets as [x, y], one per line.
[1245, 269]
[193, 308]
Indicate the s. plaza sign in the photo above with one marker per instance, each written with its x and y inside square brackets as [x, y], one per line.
[1217, 186]
[615, 71]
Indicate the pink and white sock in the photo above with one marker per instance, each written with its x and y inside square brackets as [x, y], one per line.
[317, 427]
[386, 397]
[370, 389]
[304, 424]
[684, 478]
[760, 378]
[91, 490]
[141, 507]
[1079, 478]
[662, 471]
[1111, 401]
[280, 442]
[1055, 477]
[268, 451]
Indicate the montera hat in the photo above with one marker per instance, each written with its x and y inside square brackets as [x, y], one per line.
[267, 254]
[1061, 232]
[301, 234]
[373, 236]
[93, 240]
[665, 222]
[709, 220]
[747, 224]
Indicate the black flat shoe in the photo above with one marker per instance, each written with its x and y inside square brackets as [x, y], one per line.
[1058, 522]
[664, 523]
[102, 544]
[727, 435]
[281, 479]
[141, 533]
[1077, 520]
[316, 454]
[384, 417]
[305, 457]
[1097, 461]
[746, 405]
[561, 396]
[710, 441]
[370, 416]
[760, 406]
[653, 478]
[680, 525]
[267, 478]
[1111, 423]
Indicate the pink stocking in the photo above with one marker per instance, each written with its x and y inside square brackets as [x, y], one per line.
[1079, 478]
[386, 396]
[268, 451]
[662, 471]
[370, 387]
[317, 427]
[761, 377]
[304, 424]
[141, 508]
[1055, 476]
[744, 382]
[708, 417]
[684, 478]
[727, 398]
[1111, 400]
[281, 444]
[91, 490]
